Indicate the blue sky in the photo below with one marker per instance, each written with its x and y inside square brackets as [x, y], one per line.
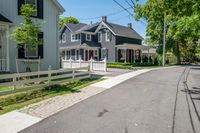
[84, 10]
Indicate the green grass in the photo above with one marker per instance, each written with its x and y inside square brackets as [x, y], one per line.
[19, 100]
[132, 66]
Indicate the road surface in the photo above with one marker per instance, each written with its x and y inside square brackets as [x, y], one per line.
[154, 102]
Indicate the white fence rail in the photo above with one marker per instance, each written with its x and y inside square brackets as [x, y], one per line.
[3, 65]
[94, 65]
[41, 79]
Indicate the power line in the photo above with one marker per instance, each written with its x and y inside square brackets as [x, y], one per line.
[123, 7]
[111, 14]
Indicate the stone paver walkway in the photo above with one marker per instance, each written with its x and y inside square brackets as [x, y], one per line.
[51, 106]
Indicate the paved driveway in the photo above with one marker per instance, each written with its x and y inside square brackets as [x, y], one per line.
[148, 103]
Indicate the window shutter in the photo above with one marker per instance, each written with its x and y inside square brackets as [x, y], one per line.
[40, 9]
[41, 46]
[21, 53]
[20, 2]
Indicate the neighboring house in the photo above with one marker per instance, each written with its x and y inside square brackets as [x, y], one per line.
[47, 16]
[115, 42]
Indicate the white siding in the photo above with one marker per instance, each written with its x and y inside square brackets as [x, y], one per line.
[49, 26]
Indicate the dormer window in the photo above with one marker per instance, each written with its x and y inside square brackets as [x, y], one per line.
[99, 37]
[32, 3]
[88, 37]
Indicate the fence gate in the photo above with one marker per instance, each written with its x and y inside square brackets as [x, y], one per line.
[93, 65]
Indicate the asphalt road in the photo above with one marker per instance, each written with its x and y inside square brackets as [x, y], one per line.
[149, 103]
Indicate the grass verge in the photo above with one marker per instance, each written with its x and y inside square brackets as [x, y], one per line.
[133, 66]
[19, 100]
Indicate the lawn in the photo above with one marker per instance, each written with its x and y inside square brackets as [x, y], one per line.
[133, 66]
[19, 100]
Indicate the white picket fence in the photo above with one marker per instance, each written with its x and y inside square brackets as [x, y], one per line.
[94, 65]
[41, 79]
[3, 65]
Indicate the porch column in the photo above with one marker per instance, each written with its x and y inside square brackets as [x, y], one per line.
[148, 57]
[141, 56]
[125, 55]
[7, 52]
[88, 54]
[134, 55]
[84, 55]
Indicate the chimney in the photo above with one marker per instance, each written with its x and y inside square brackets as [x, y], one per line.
[130, 25]
[104, 19]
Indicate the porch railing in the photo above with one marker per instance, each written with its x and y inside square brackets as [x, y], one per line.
[93, 65]
[3, 65]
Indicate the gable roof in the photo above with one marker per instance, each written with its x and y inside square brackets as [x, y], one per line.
[60, 7]
[117, 30]
[4, 19]
[124, 31]
[74, 27]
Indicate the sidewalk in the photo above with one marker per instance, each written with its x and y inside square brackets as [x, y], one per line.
[36, 112]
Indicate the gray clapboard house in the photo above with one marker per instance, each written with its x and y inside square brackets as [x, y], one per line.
[115, 42]
[47, 16]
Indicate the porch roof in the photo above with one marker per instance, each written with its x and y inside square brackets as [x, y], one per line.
[4, 19]
[132, 46]
[79, 47]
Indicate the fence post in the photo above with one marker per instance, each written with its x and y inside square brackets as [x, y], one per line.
[80, 62]
[14, 80]
[49, 75]
[105, 64]
[91, 63]
[70, 62]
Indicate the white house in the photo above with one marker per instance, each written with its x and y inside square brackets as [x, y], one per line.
[45, 55]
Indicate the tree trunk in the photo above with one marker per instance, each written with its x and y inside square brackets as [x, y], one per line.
[178, 55]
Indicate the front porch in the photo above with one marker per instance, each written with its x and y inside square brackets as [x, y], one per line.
[131, 53]
[81, 53]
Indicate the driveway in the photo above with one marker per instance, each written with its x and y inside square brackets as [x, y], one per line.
[149, 103]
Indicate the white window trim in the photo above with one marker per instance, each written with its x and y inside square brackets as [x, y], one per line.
[95, 53]
[90, 36]
[99, 38]
[64, 38]
[107, 39]
[35, 8]
[26, 56]
[74, 39]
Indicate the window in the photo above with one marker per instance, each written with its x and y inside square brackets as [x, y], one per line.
[75, 37]
[108, 36]
[88, 37]
[64, 38]
[32, 3]
[99, 36]
[95, 53]
[30, 52]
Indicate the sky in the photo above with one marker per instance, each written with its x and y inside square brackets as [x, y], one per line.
[87, 11]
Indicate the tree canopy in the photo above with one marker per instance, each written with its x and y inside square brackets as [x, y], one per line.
[182, 18]
[68, 20]
[27, 32]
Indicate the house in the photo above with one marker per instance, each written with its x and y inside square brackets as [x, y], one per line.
[115, 42]
[45, 55]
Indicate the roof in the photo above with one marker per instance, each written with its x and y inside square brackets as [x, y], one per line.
[124, 31]
[132, 46]
[75, 27]
[59, 6]
[116, 29]
[4, 19]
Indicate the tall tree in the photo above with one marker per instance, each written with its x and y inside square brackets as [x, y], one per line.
[26, 34]
[68, 20]
[182, 18]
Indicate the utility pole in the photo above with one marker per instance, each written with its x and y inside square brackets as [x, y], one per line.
[164, 42]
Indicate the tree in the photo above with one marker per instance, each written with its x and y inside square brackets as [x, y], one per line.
[27, 32]
[183, 24]
[68, 20]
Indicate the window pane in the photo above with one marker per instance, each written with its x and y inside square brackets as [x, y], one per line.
[30, 52]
